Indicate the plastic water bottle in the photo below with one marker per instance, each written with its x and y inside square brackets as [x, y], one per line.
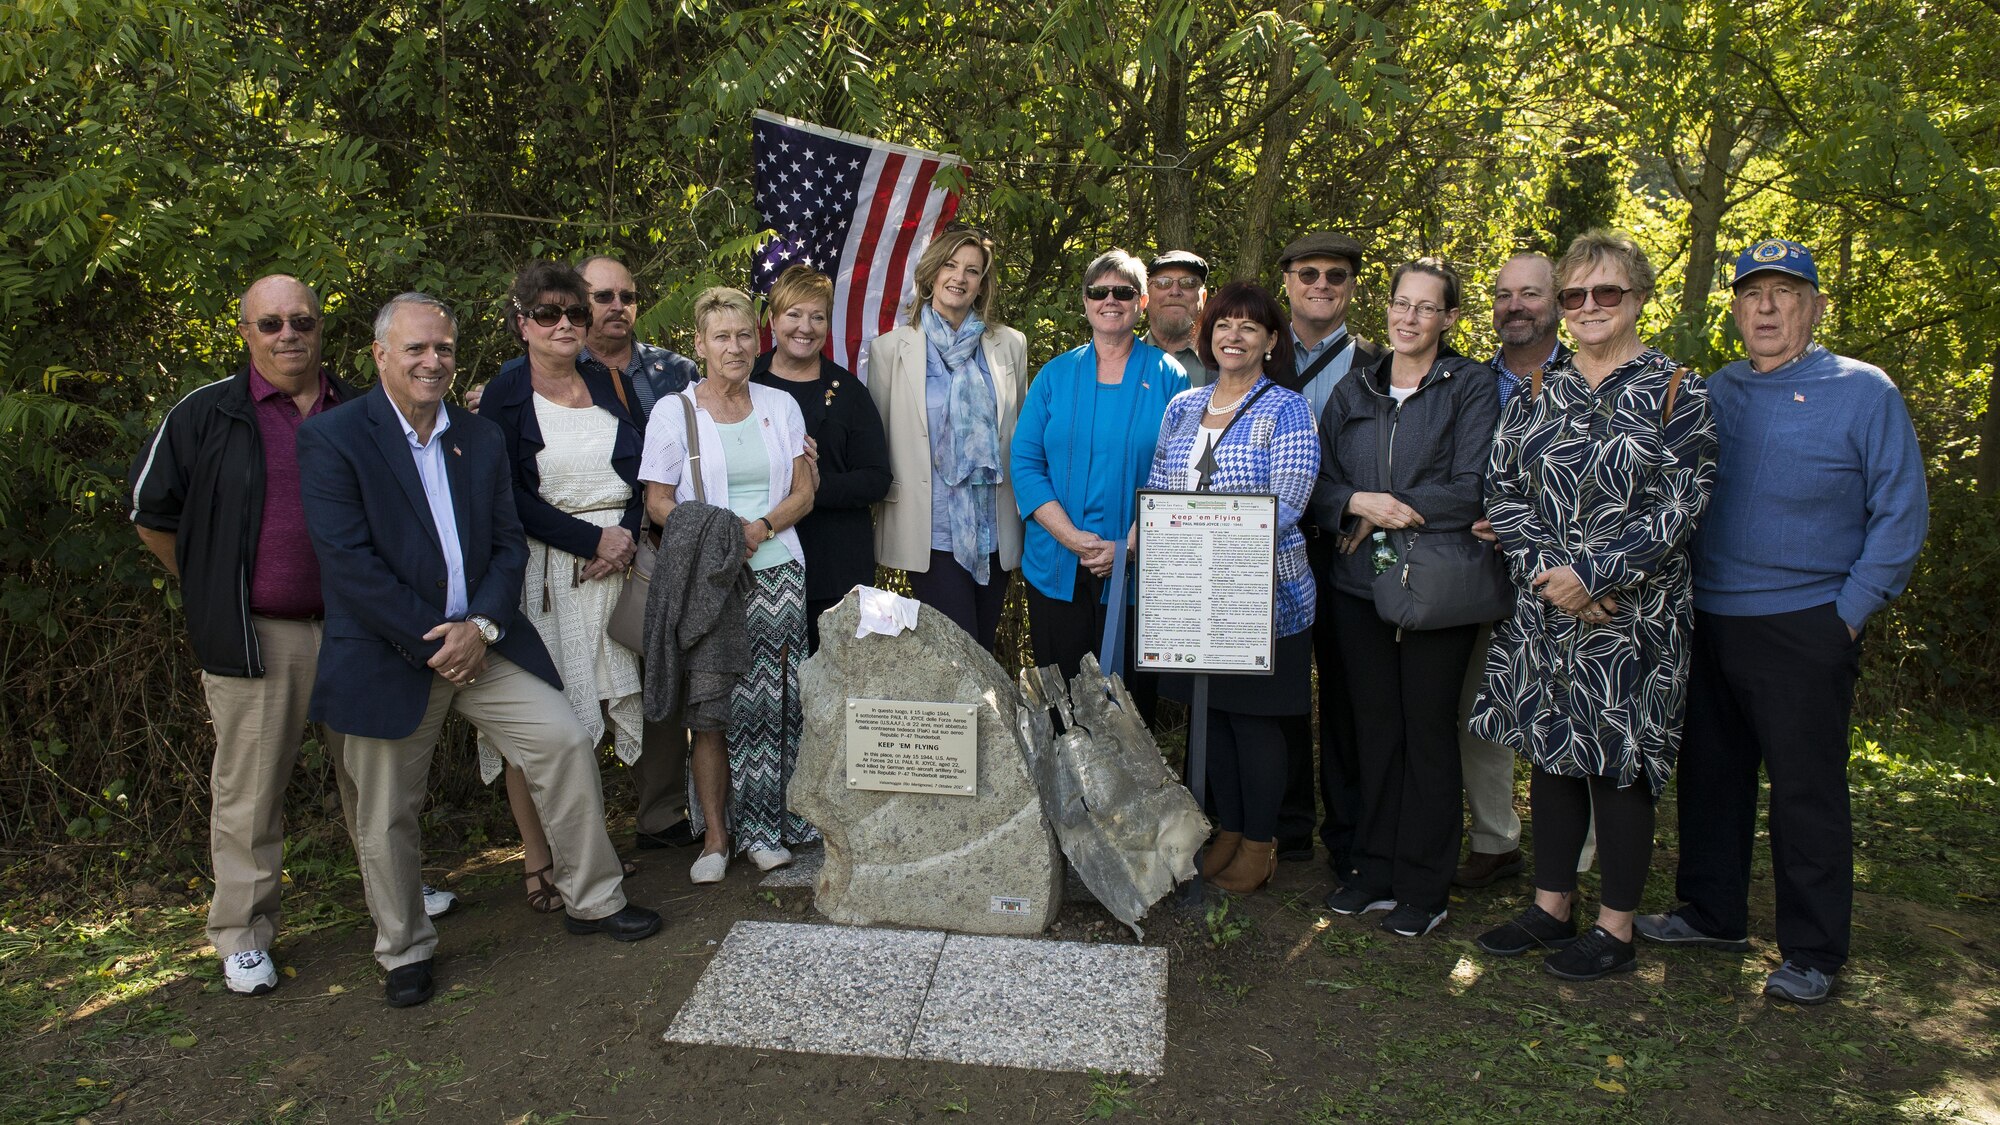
[1381, 553]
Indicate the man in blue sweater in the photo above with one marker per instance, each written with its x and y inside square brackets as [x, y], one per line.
[1818, 512]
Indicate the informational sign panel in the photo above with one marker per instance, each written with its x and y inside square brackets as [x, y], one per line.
[1208, 572]
[898, 746]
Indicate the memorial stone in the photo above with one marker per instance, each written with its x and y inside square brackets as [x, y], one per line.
[984, 863]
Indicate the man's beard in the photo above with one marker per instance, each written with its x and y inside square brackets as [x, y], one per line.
[1173, 324]
[1527, 330]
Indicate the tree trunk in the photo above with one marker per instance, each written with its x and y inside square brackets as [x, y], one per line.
[1710, 198]
[1274, 161]
[1173, 184]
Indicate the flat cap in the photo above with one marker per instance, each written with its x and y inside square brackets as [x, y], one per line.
[1323, 244]
[1185, 259]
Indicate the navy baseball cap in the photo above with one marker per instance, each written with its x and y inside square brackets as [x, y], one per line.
[1778, 255]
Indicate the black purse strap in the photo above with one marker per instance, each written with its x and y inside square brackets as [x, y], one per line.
[1202, 485]
[1305, 378]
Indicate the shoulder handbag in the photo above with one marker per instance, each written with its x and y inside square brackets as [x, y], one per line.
[628, 617]
[1443, 578]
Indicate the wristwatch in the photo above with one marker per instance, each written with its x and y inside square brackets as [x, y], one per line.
[770, 529]
[488, 631]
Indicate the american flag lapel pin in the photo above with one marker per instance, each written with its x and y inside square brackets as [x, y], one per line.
[1797, 397]
[457, 452]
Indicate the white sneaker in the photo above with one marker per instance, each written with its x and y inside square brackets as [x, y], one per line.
[250, 972]
[438, 903]
[710, 868]
[770, 859]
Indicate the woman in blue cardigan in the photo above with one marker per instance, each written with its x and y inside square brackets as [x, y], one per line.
[1244, 433]
[1081, 448]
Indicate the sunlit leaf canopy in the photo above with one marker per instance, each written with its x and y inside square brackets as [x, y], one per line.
[158, 156]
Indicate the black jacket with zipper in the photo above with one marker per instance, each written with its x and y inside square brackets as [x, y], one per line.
[201, 478]
[1439, 438]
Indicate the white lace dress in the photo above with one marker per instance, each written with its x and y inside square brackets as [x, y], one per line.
[577, 477]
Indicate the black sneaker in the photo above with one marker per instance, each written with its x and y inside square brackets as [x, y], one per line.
[1594, 955]
[1413, 921]
[1357, 899]
[1535, 928]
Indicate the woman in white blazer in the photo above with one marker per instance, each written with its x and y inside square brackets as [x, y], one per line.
[948, 385]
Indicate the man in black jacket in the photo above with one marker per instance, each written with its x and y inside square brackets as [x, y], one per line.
[215, 494]
[1321, 270]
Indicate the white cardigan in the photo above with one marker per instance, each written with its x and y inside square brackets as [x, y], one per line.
[666, 458]
[896, 380]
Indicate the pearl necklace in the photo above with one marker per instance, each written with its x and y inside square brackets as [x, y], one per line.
[1220, 411]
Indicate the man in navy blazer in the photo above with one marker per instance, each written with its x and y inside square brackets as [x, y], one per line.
[410, 506]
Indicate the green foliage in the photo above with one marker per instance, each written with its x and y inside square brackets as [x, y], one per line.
[158, 157]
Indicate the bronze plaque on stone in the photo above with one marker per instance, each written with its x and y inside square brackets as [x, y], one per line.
[898, 746]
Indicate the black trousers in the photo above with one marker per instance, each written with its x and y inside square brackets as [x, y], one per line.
[1405, 694]
[815, 607]
[1062, 632]
[1246, 772]
[1339, 789]
[1563, 807]
[1776, 691]
[951, 590]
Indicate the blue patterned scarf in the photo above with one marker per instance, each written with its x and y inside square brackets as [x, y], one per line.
[966, 455]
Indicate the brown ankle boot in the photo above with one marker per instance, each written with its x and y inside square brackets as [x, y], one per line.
[1220, 851]
[1255, 862]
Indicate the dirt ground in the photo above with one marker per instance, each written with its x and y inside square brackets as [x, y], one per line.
[1277, 1012]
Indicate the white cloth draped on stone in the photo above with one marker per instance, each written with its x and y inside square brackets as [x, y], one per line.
[577, 477]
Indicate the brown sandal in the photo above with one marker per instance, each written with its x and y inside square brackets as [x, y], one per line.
[543, 897]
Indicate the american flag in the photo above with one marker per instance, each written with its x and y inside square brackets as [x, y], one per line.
[857, 209]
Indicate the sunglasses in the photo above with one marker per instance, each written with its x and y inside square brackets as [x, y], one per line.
[272, 325]
[1115, 292]
[1310, 275]
[625, 296]
[548, 316]
[1184, 284]
[1606, 296]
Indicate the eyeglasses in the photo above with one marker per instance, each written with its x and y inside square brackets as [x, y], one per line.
[1310, 275]
[1606, 296]
[625, 296]
[1184, 284]
[1422, 310]
[272, 325]
[548, 315]
[1116, 292]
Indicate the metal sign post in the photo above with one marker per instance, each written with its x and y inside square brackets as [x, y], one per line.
[1207, 584]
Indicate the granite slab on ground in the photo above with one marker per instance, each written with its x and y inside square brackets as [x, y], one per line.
[921, 994]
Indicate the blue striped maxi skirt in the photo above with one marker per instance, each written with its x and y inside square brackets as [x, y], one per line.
[765, 718]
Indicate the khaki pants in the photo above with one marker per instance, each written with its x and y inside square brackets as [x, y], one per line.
[532, 726]
[659, 778]
[1488, 768]
[258, 723]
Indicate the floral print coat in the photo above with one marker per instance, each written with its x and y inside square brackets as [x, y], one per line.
[1604, 481]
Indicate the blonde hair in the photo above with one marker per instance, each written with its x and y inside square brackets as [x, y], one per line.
[722, 298]
[937, 254]
[798, 285]
[1601, 245]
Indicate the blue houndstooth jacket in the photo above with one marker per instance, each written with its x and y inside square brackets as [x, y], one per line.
[1273, 448]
